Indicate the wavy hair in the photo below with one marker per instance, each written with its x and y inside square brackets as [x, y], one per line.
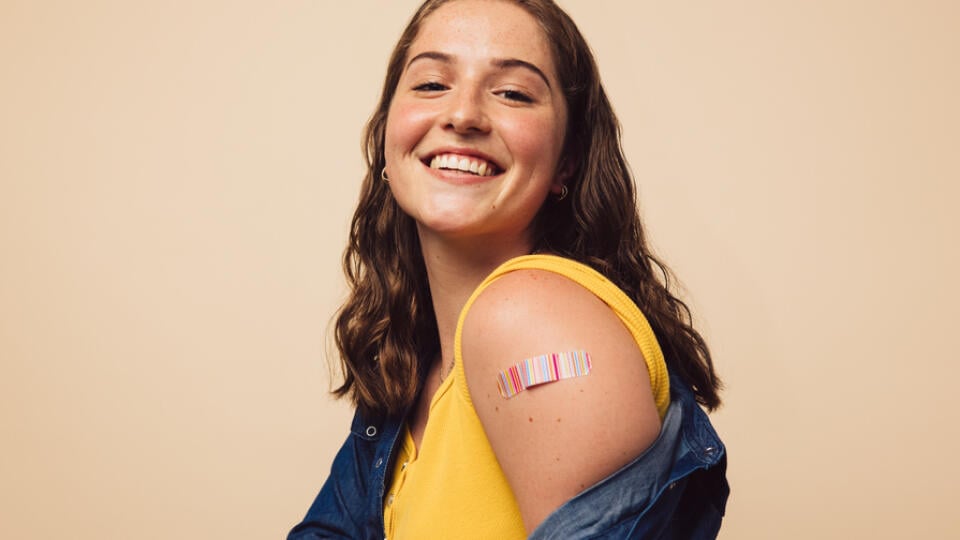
[386, 328]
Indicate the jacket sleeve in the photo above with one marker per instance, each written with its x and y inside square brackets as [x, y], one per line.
[348, 505]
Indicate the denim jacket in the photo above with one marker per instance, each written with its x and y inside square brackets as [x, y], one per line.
[677, 489]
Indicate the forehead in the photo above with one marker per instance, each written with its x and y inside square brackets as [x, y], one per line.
[484, 29]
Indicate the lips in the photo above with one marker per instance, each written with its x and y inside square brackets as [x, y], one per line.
[452, 161]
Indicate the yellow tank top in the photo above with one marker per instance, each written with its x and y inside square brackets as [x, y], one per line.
[452, 486]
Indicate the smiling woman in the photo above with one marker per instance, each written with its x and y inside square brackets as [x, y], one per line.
[517, 360]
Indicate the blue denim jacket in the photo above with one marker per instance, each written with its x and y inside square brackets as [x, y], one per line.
[677, 489]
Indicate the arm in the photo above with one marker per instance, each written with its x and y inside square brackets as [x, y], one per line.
[556, 439]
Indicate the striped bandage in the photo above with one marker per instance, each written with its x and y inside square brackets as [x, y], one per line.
[542, 369]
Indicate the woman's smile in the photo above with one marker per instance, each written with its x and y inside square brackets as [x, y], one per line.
[462, 166]
[466, 164]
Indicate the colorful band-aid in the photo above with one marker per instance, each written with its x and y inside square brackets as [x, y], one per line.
[542, 369]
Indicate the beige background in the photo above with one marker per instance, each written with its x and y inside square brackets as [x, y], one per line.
[176, 179]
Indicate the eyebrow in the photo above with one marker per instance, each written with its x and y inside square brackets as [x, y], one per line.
[502, 63]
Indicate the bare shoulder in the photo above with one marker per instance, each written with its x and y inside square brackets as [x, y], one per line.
[554, 439]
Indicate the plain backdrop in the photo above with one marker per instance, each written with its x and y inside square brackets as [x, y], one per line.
[176, 181]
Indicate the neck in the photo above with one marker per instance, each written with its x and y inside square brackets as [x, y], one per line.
[454, 269]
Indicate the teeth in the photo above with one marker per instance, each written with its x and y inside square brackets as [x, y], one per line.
[462, 163]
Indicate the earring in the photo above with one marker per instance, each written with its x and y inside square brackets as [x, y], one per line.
[383, 175]
[563, 193]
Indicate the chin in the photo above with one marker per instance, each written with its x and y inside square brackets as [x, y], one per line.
[453, 226]
[448, 218]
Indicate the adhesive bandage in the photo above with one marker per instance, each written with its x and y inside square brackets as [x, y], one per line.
[542, 369]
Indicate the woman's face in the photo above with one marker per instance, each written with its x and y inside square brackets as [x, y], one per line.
[476, 127]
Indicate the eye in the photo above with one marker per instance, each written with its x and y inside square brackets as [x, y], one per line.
[514, 95]
[430, 87]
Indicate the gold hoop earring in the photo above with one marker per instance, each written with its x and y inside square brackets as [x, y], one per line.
[563, 193]
[383, 175]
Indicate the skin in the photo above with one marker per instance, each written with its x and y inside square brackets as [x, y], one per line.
[480, 80]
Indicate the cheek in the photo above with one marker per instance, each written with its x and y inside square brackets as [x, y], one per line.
[537, 138]
[406, 125]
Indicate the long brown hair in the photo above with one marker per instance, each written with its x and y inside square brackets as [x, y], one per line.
[387, 327]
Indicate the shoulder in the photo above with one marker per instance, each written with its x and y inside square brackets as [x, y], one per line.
[554, 439]
[521, 296]
[525, 310]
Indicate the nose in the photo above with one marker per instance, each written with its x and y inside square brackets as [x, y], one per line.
[466, 113]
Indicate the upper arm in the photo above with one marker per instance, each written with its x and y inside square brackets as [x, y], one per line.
[555, 439]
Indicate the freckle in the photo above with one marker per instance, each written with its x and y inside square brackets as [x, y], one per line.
[558, 459]
[497, 409]
[558, 419]
[582, 486]
[581, 390]
[530, 419]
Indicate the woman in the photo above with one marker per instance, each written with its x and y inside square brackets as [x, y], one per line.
[509, 335]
